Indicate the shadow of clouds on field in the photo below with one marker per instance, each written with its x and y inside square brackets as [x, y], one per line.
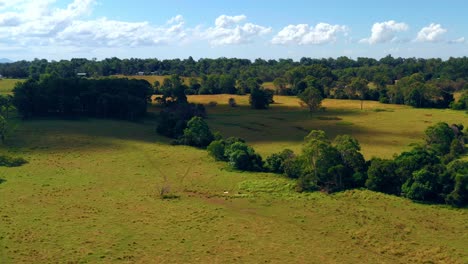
[46, 135]
[278, 124]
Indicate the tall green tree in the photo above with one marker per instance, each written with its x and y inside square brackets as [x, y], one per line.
[312, 98]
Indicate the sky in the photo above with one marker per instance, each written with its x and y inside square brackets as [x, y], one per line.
[65, 29]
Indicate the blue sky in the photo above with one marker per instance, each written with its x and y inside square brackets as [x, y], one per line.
[63, 29]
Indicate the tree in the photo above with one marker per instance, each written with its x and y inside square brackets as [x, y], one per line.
[197, 133]
[260, 98]
[353, 161]
[358, 88]
[243, 157]
[3, 128]
[280, 84]
[322, 160]
[439, 137]
[312, 98]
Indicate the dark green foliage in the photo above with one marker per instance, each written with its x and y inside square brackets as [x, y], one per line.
[260, 98]
[216, 150]
[173, 118]
[107, 98]
[294, 168]
[459, 175]
[425, 184]
[243, 157]
[352, 160]
[276, 162]
[7, 161]
[410, 161]
[3, 128]
[439, 138]
[381, 177]
[197, 133]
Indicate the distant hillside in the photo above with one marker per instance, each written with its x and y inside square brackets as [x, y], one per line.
[5, 60]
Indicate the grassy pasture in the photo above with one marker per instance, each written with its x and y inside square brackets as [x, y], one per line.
[151, 78]
[89, 195]
[383, 130]
[7, 85]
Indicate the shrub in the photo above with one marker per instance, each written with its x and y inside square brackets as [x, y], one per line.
[216, 150]
[212, 104]
[232, 102]
[7, 161]
[293, 168]
[275, 162]
[243, 157]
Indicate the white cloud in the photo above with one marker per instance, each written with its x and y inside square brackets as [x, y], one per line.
[37, 22]
[228, 30]
[383, 32]
[431, 33]
[457, 41]
[304, 34]
[102, 32]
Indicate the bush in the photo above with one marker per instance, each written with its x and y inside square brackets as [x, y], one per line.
[243, 157]
[275, 162]
[293, 168]
[216, 150]
[7, 161]
[232, 102]
[212, 104]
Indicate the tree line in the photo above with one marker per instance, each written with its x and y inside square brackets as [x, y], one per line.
[73, 97]
[410, 81]
[385, 70]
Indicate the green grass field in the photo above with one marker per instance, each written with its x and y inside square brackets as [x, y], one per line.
[89, 194]
[7, 85]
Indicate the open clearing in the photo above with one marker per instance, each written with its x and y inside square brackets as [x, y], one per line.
[7, 85]
[151, 78]
[89, 194]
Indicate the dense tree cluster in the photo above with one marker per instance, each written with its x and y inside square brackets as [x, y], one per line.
[237, 153]
[70, 97]
[429, 173]
[411, 81]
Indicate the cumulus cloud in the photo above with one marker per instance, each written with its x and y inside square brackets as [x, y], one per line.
[37, 22]
[431, 33]
[229, 30]
[383, 32]
[304, 34]
[102, 32]
[40, 23]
